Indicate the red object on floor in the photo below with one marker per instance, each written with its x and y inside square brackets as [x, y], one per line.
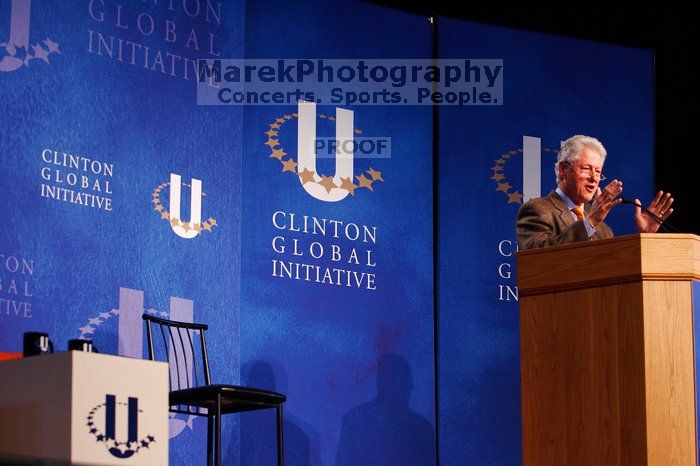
[5, 356]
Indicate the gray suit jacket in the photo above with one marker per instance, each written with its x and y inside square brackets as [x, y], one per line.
[547, 221]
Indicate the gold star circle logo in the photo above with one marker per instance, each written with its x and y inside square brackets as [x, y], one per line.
[165, 215]
[287, 163]
[502, 183]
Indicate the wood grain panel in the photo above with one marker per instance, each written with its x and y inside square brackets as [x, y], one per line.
[668, 255]
[582, 360]
[669, 365]
[607, 352]
[623, 259]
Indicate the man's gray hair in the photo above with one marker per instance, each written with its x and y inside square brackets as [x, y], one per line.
[572, 147]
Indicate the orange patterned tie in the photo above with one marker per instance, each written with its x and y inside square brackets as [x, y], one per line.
[578, 210]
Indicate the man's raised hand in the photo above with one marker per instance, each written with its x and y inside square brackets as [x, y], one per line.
[660, 206]
[604, 202]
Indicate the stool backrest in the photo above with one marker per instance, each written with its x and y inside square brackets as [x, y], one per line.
[179, 346]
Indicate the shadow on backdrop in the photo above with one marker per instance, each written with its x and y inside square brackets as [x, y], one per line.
[258, 429]
[385, 431]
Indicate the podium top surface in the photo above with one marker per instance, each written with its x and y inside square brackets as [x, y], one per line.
[623, 259]
[64, 359]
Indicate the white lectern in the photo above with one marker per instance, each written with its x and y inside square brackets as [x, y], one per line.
[85, 409]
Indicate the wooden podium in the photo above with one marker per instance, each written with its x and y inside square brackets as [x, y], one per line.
[607, 351]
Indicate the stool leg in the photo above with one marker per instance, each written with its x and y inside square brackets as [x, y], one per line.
[210, 439]
[280, 436]
[218, 429]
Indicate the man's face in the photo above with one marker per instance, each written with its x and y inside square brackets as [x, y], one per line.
[580, 178]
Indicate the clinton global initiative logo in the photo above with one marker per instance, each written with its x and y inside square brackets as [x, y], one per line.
[507, 178]
[128, 322]
[102, 424]
[328, 188]
[187, 229]
[16, 50]
[505, 173]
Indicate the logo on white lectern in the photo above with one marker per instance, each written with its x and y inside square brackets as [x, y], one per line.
[16, 51]
[129, 322]
[102, 424]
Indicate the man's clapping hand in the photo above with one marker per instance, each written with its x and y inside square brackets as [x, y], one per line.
[604, 202]
[660, 206]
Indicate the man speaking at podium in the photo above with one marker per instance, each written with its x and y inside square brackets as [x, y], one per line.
[576, 210]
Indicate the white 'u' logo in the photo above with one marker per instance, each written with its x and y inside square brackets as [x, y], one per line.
[532, 155]
[195, 207]
[532, 166]
[306, 150]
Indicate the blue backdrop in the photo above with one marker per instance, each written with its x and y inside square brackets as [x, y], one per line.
[356, 364]
[90, 240]
[110, 82]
